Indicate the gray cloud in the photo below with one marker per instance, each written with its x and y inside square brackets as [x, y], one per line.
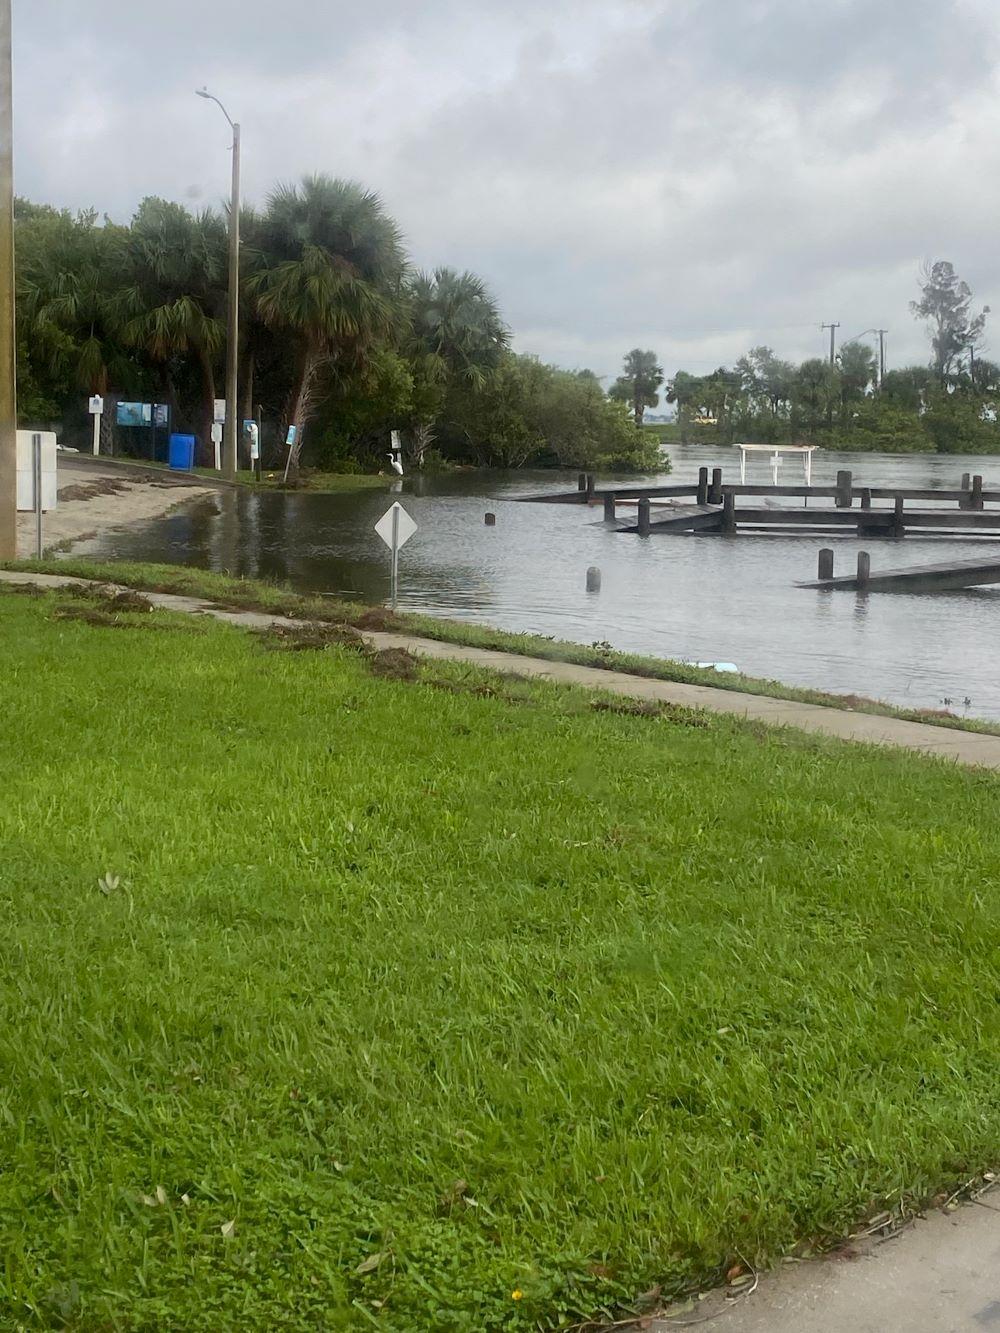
[695, 176]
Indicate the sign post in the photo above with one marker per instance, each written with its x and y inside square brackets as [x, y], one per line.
[96, 406]
[395, 527]
[36, 485]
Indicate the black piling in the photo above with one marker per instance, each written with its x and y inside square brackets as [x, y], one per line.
[844, 488]
[643, 521]
[825, 569]
[715, 490]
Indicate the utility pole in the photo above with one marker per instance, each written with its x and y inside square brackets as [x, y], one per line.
[231, 427]
[832, 328]
[972, 365]
[881, 356]
[8, 390]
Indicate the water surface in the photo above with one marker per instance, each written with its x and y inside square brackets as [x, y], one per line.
[689, 597]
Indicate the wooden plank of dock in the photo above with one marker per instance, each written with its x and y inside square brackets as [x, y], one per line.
[919, 578]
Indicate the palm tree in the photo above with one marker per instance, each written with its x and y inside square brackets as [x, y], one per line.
[639, 383]
[457, 338]
[329, 279]
[67, 270]
[172, 300]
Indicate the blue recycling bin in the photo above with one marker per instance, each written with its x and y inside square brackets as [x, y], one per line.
[181, 454]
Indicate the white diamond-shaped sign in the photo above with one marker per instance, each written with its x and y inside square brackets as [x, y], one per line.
[396, 518]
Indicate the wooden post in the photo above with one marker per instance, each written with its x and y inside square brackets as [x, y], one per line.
[644, 516]
[593, 579]
[609, 507]
[976, 498]
[898, 530]
[844, 488]
[581, 482]
[715, 490]
[825, 570]
[590, 488]
[966, 479]
[866, 498]
[864, 569]
[702, 497]
[729, 513]
[491, 520]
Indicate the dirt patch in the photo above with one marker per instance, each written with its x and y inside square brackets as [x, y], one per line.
[104, 595]
[314, 636]
[90, 490]
[480, 690]
[98, 615]
[651, 708]
[26, 589]
[377, 619]
[394, 664]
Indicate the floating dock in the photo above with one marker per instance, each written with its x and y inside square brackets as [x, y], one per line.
[917, 578]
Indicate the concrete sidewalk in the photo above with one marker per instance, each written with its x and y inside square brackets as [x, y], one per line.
[963, 747]
[941, 1275]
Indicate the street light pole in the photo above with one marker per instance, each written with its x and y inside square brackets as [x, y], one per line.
[230, 434]
[8, 392]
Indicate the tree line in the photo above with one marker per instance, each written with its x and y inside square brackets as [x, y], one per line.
[341, 337]
[949, 405]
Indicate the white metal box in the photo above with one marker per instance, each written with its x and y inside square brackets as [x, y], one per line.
[25, 473]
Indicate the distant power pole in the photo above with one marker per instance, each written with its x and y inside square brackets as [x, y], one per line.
[881, 355]
[8, 408]
[833, 350]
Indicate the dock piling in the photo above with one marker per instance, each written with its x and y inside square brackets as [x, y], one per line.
[844, 495]
[581, 482]
[593, 579]
[729, 513]
[825, 570]
[864, 570]
[715, 490]
[609, 507]
[866, 498]
[643, 523]
[702, 495]
[976, 497]
[590, 488]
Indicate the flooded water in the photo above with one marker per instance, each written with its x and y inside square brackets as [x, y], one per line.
[689, 597]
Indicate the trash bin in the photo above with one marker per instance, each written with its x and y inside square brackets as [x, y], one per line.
[181, 455]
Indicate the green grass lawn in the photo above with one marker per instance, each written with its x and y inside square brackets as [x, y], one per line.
[189, 580]
[405, 996]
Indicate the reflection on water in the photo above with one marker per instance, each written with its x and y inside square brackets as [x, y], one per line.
[696, 598]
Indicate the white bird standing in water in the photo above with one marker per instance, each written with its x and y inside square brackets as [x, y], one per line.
[395, 453]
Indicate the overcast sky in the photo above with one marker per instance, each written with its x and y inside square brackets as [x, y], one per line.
[694, 176]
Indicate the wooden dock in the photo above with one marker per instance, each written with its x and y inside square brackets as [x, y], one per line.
[917, 578]
[713, 508]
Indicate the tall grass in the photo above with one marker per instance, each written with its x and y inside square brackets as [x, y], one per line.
[337, 1002]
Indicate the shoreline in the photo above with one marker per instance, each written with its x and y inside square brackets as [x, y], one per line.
[98, 502]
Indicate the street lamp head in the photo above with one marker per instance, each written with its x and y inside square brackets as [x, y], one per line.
[203, 92]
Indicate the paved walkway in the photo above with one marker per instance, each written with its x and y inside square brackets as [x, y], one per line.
[964, 747]
[942, 1275]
